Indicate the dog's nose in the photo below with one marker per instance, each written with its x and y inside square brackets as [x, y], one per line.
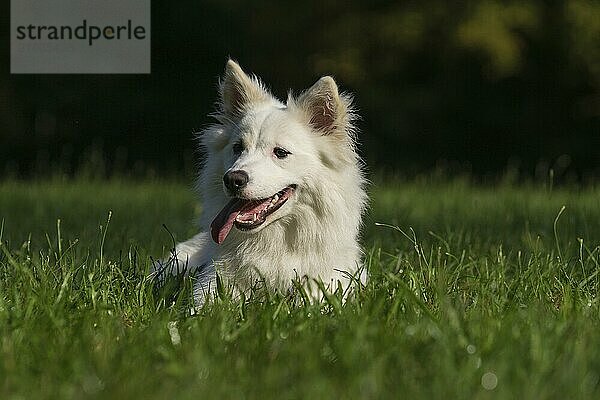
[236, 180]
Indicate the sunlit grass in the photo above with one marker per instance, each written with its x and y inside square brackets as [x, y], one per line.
[474, 292]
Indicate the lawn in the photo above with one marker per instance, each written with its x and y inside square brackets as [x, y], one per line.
[475, 292]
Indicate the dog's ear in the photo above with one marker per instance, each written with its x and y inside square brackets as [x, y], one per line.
[329, 112]
[239, 91]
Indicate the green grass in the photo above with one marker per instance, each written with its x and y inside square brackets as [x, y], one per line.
[475, 293]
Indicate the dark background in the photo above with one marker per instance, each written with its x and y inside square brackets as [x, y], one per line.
[480, 87]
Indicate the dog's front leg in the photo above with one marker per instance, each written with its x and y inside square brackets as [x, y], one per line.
[186, 258]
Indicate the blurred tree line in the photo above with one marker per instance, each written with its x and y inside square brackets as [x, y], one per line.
[477, 85]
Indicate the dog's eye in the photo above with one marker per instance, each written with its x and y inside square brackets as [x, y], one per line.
[238, 148]
[280, 152]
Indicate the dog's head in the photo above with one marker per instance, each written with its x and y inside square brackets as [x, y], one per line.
[274, 153]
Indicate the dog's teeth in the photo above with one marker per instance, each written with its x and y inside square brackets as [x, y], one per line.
[275, 199]
[254, 218]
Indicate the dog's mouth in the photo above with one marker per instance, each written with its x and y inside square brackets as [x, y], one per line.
[247, 214]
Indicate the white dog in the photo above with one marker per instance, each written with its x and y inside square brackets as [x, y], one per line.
[282, 191]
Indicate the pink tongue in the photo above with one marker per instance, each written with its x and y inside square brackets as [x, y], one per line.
[223, 222]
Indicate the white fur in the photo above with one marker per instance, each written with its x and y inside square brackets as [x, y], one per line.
[314, 235]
